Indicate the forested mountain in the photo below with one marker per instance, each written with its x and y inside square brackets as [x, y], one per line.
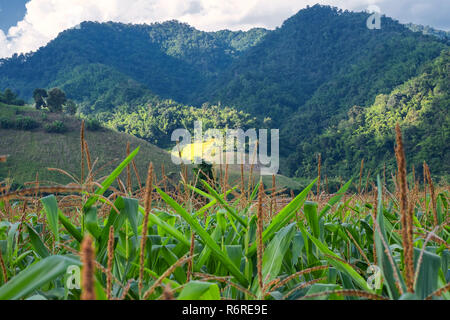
[420, 106]
[171, 59]
[304, 77]
[307, 74]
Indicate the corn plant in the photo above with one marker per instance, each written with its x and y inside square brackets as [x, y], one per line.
[158, 247]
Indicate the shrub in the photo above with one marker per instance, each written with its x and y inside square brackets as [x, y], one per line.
[70, 107]
[26, 123]
[44, 115]
[56, 127]
[20, 123]
[93, 125]
[6, 123]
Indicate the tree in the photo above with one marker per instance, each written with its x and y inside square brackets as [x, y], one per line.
[204, 171]
[9, 96]
[39, 95]
[56, 99]
[70, 107]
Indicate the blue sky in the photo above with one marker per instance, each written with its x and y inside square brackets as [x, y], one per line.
[11, 12]
[25, 29]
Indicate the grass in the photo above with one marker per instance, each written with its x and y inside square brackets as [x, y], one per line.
[220, 242]
[34, 151]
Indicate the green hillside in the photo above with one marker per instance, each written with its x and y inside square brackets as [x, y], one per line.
[33, 151]
[421, 107]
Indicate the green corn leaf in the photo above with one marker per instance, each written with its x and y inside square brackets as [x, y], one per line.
[206, 252]
[70, 227]
[91, 222]
[224, 204]
[153, 219]
[199, 290]
[235, 252]
[312, 217]
[99, 291]
[211, 203]
[171, 258]
[38, 246]
[283, 217]
[35, 276]
[439, 204]
[334, 260]
[427, 279]
[275, 252]
[131, 208]
[200, 192]
[298, 244]
[109, 181]
[335, 199]
[382, 253]
[51, 210]
[173, 284]
[205, 237]
[321, 287]
[116, 220]
[21, 257]
[251, 199]
[409, 296]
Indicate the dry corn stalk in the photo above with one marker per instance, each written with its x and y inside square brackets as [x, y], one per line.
[406, 211]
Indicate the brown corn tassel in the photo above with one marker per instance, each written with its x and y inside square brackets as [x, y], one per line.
[148, 207]
[110, 263]
[406, 212]
[259, 232]
[88, 156]
[87, 258]
[128, 171]
[191, 254]
[167, 293]
[360, 175]
[433, 195]
[2, 264]
[272, 197]
[136, 172]
[225, 183]
[374, 217]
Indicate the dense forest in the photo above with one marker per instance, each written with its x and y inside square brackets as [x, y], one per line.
[172, 59]
[156, 122]
[323, 78]
[420, 106]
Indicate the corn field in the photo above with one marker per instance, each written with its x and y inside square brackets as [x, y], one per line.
[206, 240]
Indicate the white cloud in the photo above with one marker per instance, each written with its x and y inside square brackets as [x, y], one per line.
[46, 18]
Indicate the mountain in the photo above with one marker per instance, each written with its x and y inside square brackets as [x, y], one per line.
[171, 59]
[307, 74]
[303, 77]
[421, 107]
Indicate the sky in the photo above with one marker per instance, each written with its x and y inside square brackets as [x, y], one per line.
[26, 25]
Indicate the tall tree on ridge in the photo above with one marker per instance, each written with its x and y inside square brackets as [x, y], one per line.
[56, 99]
